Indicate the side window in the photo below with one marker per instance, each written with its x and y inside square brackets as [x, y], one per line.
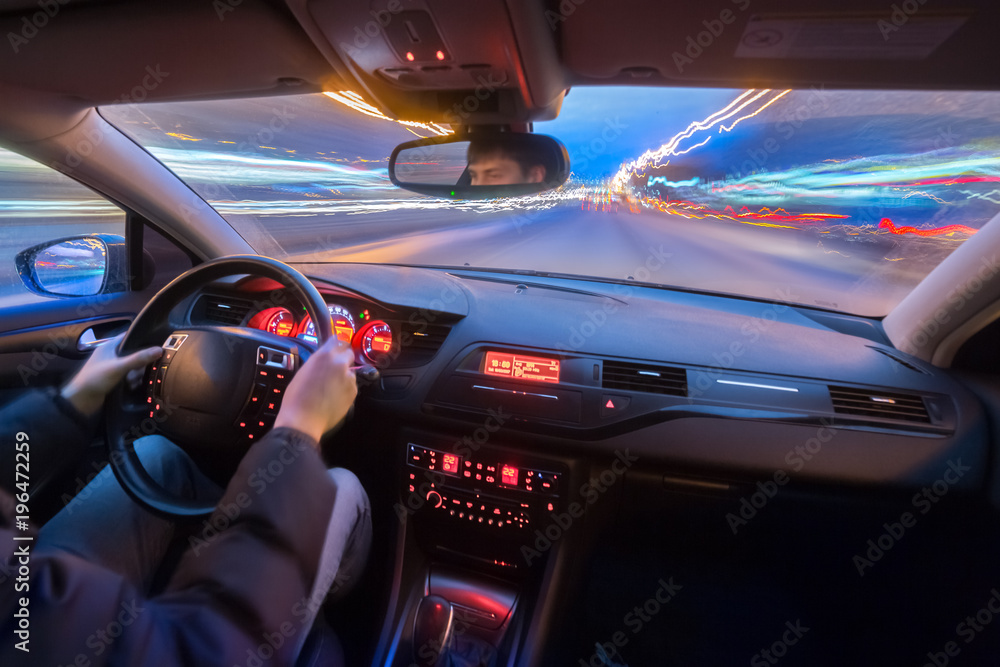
[41, 209]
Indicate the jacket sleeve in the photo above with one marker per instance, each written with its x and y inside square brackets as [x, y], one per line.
[239, 596]
[57, 432]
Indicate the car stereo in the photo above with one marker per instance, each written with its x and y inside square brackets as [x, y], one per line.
[468, 496]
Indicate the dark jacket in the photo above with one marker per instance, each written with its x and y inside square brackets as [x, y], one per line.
[239, 601]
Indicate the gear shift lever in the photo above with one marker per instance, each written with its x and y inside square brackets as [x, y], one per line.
[432, 631]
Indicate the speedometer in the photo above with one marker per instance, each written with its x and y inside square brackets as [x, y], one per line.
[340, 317]
[376, 340]
[281, 323]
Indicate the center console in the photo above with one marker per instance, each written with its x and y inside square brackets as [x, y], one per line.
[479, 512]
[471, 517]
[481, 505]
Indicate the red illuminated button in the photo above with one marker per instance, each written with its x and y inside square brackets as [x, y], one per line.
[613, 404]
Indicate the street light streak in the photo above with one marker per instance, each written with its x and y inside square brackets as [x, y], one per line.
[351, 99]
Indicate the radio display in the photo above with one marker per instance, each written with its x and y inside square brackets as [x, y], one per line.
[521, 367]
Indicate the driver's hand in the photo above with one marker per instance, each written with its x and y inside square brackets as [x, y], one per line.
[322, 391]
[102, 372]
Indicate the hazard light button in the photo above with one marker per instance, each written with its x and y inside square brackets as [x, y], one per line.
[613, 405]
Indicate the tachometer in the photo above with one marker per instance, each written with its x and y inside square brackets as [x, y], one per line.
[376, 340]
[343, 324]
[281, 323]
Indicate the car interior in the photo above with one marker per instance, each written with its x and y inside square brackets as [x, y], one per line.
[563, 469]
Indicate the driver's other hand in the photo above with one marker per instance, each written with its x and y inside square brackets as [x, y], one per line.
[321, 392]
[102, 372]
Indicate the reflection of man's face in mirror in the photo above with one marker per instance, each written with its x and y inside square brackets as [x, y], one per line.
[496, 165]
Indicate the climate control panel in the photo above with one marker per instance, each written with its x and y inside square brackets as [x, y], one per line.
[478, 489]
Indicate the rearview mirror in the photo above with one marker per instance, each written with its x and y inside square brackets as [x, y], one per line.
[480, 165]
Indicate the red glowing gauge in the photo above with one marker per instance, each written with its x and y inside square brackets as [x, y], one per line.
[376, 340]
[281, 323]
[343, 324]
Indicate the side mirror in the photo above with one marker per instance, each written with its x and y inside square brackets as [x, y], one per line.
[480, 165]
[75, 266]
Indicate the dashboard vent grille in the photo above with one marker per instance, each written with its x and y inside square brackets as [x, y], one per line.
[421, 341]
[899, 360]
[628, 376]
[226, 311]
[880, 404]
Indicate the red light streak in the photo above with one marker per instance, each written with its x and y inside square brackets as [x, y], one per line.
[886, 223]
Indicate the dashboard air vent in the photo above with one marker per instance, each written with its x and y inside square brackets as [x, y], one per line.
[222, 310]
[629, 376]
[879, 404]
[421, 341]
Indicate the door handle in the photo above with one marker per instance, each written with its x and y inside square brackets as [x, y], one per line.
[95, 336]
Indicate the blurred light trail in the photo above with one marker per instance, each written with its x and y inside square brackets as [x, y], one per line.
[327, 207]
[354, 101]
[652, 158]
[234, 169]
[662, 180]
[62, 208]
[982, 195]
[882, 179]
[763, 217]
[743, 118]
[947, 230]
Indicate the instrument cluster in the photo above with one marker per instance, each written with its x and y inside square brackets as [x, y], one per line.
[372, 338]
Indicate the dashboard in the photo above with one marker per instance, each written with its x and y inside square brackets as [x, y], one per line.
[715, 386]
[510, 407]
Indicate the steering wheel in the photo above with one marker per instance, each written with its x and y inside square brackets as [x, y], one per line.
[217, 384]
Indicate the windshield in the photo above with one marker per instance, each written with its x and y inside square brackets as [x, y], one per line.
[842, 200]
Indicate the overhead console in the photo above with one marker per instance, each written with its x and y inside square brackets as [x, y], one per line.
[446, 61]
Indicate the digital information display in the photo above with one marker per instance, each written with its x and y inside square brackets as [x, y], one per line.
[508, 475]
[521, 367]
[450, 463]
